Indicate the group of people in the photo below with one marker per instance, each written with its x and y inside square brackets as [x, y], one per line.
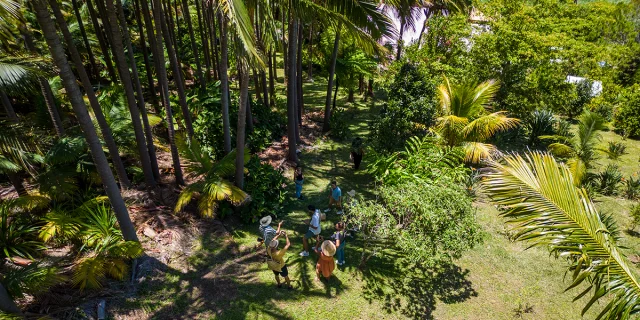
[328, 250]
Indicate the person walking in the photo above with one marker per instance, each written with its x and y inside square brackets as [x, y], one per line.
[357, 151]
[299, 179]
[267, 231]
[339, 238]
[276, 262]
[335, 197]
[313, 231]
[326, 264]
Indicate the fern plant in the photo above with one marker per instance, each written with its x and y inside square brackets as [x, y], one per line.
[540, 200]
[213, 186]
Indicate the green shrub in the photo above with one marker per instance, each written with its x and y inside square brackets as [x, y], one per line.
[339, 126]
[539, 123]
[410, 111]
[632, 188]
[627, 117]
[607, 181]
[615, 150]
[635, 215]
[267, 188]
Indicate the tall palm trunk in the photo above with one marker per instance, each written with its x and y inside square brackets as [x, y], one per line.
[104, 45]
[125, 78]
[179, 81]
[214, 43]
[224, 82]
[196, 56]
[299, 96]
[284, 47]
[257, 87]
[400, 42]
[161, 28]
[292, 121]
[148, 26]
[136, 81]
[80, 109]
[243, 73]
[205, 42]
[310, 50]
[326, 126]
[427, 15]
[93, 100]
[45, 88]
[6, 302]
[272, 89]
[8, 107]
[85, 39]
[145, 55]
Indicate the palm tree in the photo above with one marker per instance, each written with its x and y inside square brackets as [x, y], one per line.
[466, 120]
[75, 96]
[213, 187]
[539, 198]
[126, 79]
[408, 11]
[196, 56]
[93, 100]
[224, 81]
[580, 150]
[85, 39]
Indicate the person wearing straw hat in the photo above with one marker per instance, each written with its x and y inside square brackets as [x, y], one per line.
[276, 262]
[326, 264]
[267, 231]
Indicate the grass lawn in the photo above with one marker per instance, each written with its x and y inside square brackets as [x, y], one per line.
[225, 279]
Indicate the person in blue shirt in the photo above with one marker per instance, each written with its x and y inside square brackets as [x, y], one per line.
[335, 197]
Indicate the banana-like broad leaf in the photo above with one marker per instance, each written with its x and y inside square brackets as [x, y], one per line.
[539, 198]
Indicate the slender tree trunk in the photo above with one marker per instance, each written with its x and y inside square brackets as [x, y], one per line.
[205, 42]
[249, 114]
[16, 182]
[291, 93]
[136, 80]
[265, 87]
[299, 96]
[361, 84]
[350, 98]
[6, 302]
[148, 26]
[310, 51]
[214, 42]
[145, 54]
[242, 118]
[332, 71]
[224, 82]
[93, 100]
[427, 14]
[125, 78]
[8, 107]
[400, 43]
[45, 88]
[83, 32]
[335, 96]
[104, 47]
[178, 43]
[179, 80]
[272, 88]
[161, 29]
[196, 56]
[256, 86]
[284, 48]
[80, 109]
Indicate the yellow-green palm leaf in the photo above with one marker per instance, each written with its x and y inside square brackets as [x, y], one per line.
[485, 127]
[475, 152]
[545, 207]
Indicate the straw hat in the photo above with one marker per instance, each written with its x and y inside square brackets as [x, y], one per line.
[328, 248]
[274, 243]
[265, 221]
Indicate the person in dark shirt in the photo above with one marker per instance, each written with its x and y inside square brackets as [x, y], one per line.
[357, 151]
[299, 179]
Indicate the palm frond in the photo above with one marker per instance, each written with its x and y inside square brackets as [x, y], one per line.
[89, 272]
[485, 127]
[32, 279]
[541, 201]
[475, 152]
[19, 73]
[236, 12]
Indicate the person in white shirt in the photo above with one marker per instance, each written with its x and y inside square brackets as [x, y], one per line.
[313, 232]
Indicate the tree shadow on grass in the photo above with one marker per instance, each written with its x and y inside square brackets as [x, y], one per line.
[414, 291]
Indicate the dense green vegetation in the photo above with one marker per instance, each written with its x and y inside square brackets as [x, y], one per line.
[142, 141]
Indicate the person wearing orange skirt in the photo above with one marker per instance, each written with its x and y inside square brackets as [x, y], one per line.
[326, 264]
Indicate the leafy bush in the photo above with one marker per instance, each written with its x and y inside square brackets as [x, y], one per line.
[339, 125]
[632, 188]
[635, 215]
[410, 111]
[539, 123]
[627, 118]
[582, 97]
[607, 181]
[615, 150]
[267, 188]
